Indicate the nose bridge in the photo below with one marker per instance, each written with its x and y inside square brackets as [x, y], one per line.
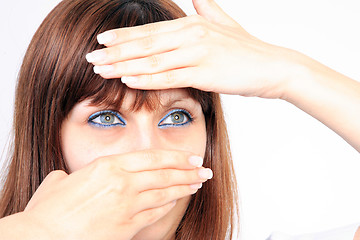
[145, 134]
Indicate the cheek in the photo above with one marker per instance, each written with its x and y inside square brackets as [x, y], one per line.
[76, 149]
[190, 140]
[81, 146]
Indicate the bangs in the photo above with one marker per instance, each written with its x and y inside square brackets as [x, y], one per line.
[112, 92]
[75, 79]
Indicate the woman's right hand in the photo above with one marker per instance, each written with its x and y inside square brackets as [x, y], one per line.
[116, 196]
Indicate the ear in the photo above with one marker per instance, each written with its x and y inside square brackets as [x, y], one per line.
[213, 13]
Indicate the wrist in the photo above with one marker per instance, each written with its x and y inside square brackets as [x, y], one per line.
[15, 227]
[285, 73]
[21, 226]
[298, 76]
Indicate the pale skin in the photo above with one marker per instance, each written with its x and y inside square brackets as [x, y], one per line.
[131, 177]
[204, 49]
[84, 142]
[212, 52]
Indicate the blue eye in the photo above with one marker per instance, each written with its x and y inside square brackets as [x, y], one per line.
[107, 118]
[176, 118]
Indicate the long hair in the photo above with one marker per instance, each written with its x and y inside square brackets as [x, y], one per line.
[55, 76]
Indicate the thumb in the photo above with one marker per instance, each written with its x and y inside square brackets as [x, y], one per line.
[213, 13]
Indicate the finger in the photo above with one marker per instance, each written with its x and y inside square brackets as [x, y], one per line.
[55, 176]
[159, 197]
[163, 178]
[177, 78]
[146, 46]
[180, 58]
[121, 35]
[211, 11]
[153, 160]
[150, 216]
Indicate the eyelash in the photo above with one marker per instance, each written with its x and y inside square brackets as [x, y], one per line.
[122, 122]
[190, 119]
[109, 112]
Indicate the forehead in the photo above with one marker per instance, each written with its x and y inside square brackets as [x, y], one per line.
[134, 100]
[160, 97]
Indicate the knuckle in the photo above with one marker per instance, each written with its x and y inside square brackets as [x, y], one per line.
[113, 51]
[102, 166]
[200, 31]
[154, 61]
[147, 80]
[164, 176]
[117, 51]
[56, 174]
[148, 155]
[181, 156]
[170, 78]
[146, 43]
[160, 196]
[151, 157]
[119, 185]
[150, 29]
[151, 217]
[122, 68]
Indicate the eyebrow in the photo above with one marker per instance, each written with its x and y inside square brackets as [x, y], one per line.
[172, 102]
[167, 103]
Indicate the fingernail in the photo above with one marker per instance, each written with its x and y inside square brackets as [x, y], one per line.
[103, 69]
[196, 161]
[106, 37]
[96, 56]
[205, 173]
[130, 80]
[196, 186]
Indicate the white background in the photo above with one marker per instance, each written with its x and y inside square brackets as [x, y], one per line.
[294, 174]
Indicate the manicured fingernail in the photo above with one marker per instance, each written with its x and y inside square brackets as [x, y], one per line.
[196, 186]
[103, 69]
[126, 79]
[196, 161]
[205, 173]
[96, 56]
[106, 37]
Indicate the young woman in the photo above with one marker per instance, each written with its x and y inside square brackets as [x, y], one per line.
[94, 159]
[210, 52]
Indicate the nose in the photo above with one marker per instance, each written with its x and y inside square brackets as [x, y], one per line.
[146, 135]
[145, 138]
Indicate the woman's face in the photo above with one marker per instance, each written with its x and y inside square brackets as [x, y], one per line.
[90, 132]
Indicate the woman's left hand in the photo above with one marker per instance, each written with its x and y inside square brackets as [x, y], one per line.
[212, 52]
[209, 51]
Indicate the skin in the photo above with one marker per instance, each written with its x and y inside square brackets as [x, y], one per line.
[126, 182]
[357, 234]
[83, 143]
[212, 46]
[203, 49]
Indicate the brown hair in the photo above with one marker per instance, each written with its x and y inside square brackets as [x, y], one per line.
[55, 76]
